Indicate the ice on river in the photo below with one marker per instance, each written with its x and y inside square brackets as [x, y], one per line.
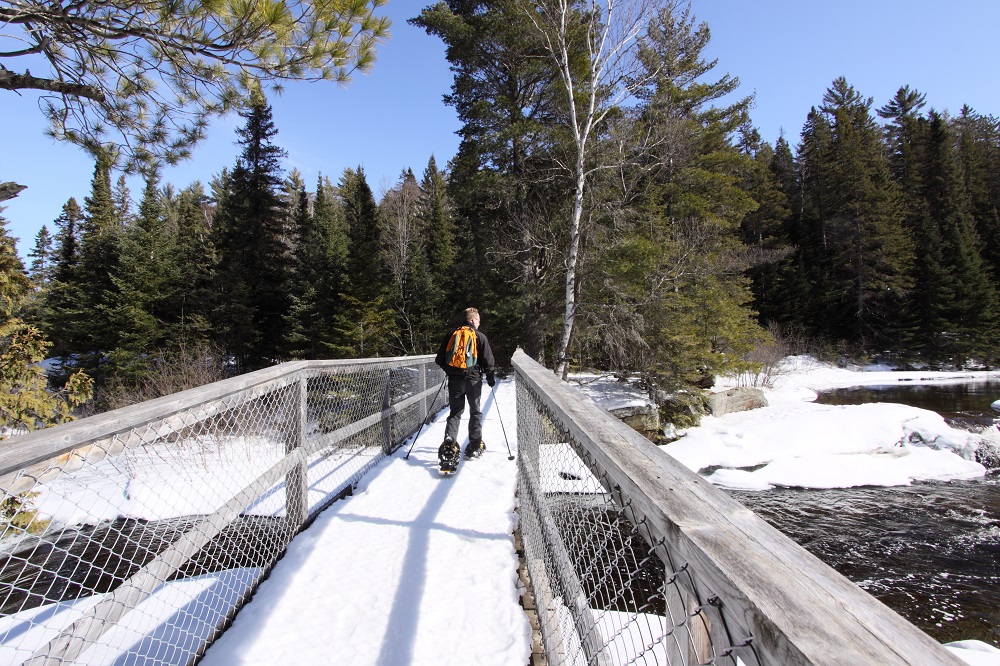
[828, 446]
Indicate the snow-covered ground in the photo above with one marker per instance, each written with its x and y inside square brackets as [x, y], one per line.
[797, 443]
[412, 569]
[419, 569]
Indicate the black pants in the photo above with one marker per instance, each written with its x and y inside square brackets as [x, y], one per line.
[461, 389]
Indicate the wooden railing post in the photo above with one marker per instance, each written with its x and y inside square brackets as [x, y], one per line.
[297, 479]
[424, 405]
[387, 414]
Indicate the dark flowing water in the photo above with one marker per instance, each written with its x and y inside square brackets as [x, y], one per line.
[930, 551]
[964, 400]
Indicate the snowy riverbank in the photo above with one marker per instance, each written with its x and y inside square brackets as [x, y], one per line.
[794, 442]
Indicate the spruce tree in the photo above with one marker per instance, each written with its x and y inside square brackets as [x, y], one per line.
[331, 267]
[251, 240]
[906, 141]
[367, 325]
[77, 312]
[763, 230]
[788, 302]
[59, 307]
[970, 310]
[141, 282]
[438, 224]
[42, 257]
[863, 252]
[302, 339]
[68, 239]
[979, 151]
[94, 332]
[191, 258]
[122, 198]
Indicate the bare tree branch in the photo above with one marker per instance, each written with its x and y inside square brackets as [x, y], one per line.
[11, 81]
[10, 190]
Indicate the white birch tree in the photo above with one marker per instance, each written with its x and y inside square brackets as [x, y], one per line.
[594, 46]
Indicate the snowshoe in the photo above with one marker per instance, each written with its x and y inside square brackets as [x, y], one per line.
[449, 454]
[474, 449]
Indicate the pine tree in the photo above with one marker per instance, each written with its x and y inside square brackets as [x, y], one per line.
[42, 257]
[94, 332]
[863, 253]
[25, 400]
[905, 135]
[971, 306]
[366, 325]
[502, 189]
[251, 241]
[142, 283]
[675, 304]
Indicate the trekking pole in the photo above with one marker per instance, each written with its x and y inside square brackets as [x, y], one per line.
[426, 418]
[510, 456]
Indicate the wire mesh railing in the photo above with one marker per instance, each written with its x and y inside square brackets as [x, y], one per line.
[633, 559]
[134, 536]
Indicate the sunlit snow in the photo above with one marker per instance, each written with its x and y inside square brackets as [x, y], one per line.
[419, 569]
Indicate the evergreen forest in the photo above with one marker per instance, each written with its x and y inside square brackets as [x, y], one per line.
[652, 231]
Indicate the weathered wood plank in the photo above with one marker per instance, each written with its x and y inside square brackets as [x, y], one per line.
[798, 609]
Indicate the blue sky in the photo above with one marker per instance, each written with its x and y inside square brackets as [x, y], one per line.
[786, 52]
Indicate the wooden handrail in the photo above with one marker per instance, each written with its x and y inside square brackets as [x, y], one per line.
[26, 450]
[797, 609]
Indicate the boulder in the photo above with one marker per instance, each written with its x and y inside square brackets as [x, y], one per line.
[644, 419]
[736, 400]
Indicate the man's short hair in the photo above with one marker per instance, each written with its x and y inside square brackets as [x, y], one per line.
[470, 314]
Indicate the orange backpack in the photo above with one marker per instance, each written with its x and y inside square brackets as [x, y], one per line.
[461, 349]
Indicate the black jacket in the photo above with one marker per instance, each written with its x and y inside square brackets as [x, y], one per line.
[485, 363]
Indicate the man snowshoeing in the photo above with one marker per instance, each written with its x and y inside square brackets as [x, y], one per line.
[466, 357]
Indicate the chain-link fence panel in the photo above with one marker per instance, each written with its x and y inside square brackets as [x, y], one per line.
[604, 595]
[135, 536]
[634, 559]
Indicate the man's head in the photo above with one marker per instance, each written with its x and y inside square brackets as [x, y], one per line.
[472, 316]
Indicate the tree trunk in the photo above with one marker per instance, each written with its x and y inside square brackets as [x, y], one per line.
[562, 355]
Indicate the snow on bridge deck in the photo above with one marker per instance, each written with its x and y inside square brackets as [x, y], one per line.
[412, 569]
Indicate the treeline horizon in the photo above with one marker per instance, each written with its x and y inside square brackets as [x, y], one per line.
[877, 233]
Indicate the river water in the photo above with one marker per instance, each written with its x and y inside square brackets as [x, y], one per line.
[930, 551]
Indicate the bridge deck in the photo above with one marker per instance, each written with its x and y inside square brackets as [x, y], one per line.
[413, 569]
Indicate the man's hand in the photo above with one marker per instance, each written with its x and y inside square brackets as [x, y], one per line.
[491, 379]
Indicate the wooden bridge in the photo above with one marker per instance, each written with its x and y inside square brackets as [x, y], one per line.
[273, 517]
